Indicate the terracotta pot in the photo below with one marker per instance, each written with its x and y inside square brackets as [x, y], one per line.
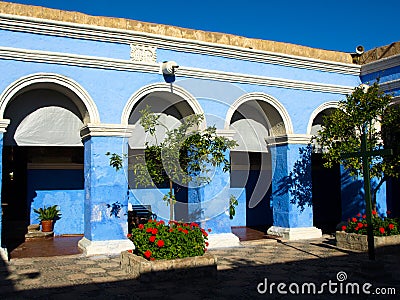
[47, 225]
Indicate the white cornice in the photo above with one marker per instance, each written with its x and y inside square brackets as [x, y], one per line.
[264, 80]
[4, 124]
[77, 60]
[227, 133]
[396, 100]
[381, 65]
[99, 33]
[390, 85]
[126, 65]
[302, 139]
[117, 130]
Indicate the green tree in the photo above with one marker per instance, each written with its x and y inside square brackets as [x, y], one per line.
[369, 109]
[187, 154]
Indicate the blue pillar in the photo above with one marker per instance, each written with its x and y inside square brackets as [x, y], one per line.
[3, 126]
[1, 177]
[106, 197]
[292, 199]
[209, 205]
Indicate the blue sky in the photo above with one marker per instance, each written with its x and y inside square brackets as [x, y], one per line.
[334, 25]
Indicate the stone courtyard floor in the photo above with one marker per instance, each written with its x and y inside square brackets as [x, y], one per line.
[261, 263]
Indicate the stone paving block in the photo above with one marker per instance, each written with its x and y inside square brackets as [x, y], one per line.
[109, 265]
[30, 282]
[94, 270]
[85, 262]
[103, 279]
[117, 273]
[27, 271]
[77, 276]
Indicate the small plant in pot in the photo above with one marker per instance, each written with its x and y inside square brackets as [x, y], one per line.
[47, 215]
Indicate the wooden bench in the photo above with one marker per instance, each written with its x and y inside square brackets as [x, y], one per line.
[139, 214]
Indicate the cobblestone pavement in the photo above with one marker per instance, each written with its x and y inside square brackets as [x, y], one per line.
[240, 271]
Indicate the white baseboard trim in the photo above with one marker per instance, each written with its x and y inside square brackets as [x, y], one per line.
[223, 240]
[112, 247]
[4, 254]
[293, 234]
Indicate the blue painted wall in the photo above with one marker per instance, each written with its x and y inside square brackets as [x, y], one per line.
[1, 176]
[290, 211]
[106, 190]
[57, 187]
[353, 201]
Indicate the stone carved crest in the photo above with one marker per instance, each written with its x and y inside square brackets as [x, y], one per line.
[143, 53]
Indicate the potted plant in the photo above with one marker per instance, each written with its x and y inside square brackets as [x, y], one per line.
[47, 215]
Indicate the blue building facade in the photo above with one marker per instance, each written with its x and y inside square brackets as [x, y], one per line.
[72, 87]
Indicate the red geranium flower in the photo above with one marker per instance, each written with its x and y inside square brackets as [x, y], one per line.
[388, 212]
[152, 258]
[171, 230]
[152, 238]
[364, 216]
[354, 219]
[149, 229]
[391, 226]
[147, 253]
[185, 231]
[207, 244]
[359, 215]
[382, 230]
[130, 251]
[154, 231]
[141, 226]
[344, 227]
[160, 243]
[356, 228]
[360, 225]
[374, 212]
[209, 229]
[160, 222]
[128, 235]
[365, 225]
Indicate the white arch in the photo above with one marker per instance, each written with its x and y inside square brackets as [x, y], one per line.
[159, 87]
[322, 107]
[261, 97]
[45, 78]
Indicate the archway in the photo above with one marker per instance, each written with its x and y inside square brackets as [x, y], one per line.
[255, 118]
[172, 104]
[43, 153]
[326, 182]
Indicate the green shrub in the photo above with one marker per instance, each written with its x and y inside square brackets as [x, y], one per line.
[157, 240]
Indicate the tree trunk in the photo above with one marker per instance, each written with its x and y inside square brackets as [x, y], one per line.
[375, 191]
[171, 202]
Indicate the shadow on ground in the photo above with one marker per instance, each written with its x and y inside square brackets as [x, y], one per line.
[239, 276]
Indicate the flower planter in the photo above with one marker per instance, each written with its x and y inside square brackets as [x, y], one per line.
[353, 241]
[47, 225]
[188, 267]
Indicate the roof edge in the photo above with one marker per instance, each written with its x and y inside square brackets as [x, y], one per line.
[173, 31]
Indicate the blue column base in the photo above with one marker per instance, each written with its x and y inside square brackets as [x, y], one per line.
[292, 234]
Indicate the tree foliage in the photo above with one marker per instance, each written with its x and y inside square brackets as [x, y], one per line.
[370, 108]
[186, 154]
